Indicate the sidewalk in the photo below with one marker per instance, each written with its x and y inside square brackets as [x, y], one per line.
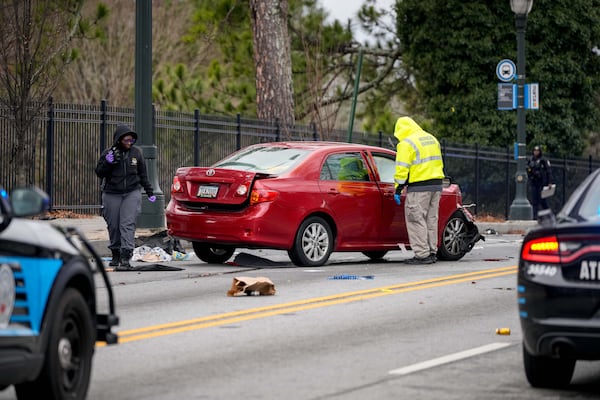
[94, 229]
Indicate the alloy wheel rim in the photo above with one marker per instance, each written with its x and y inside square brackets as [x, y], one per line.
[315, 242]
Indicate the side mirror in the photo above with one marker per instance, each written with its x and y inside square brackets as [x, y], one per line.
[25, 202]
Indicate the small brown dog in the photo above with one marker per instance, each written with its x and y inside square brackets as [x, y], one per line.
[246, 285]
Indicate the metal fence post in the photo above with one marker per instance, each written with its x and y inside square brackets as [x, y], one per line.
[507, 210]
[277, 130]
[102, 125]
[380, 133]
[196, 137]
[476, 177]
[102, 133]
[50, 151]
[314, 129]
[238, 138]
[564, 185]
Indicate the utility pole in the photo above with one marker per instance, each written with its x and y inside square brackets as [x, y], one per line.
[153, 214]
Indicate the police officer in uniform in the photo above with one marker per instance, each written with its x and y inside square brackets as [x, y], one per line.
[419, 168]
[539, 174]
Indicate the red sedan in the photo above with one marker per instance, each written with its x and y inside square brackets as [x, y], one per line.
[309, 198]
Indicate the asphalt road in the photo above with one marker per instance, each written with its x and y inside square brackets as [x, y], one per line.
[410, 332]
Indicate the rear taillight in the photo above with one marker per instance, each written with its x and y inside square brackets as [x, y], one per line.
[262, 195]
[176, 187]
[544, 249]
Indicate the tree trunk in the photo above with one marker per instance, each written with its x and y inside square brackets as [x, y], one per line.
[272, 58]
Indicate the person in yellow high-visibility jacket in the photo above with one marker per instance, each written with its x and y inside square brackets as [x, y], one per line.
[419, 168]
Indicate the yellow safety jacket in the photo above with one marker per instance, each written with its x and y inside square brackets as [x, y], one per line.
[419, 163]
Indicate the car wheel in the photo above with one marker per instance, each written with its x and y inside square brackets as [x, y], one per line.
[454, 239]
[213, 254]
[547, 372]
[68, 358]
[375, 255]
[313, 243]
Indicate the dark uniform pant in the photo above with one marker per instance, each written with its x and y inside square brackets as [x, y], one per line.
[537, 202]
[120, 211]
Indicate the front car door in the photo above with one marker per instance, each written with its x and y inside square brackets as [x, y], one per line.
[353, 197]
[393, 226]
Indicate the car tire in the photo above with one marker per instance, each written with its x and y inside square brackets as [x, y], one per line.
[375, 255]
[212, 254]
[547, 372]
[454, 239]
[68, 359]
[313, 243]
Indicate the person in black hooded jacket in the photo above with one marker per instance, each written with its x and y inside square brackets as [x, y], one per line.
[539, 174]
[123, 172]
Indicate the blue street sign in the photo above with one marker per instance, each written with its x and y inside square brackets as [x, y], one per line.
[532, 96]
[506, 70]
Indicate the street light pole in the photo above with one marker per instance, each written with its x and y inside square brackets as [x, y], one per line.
[520, 208]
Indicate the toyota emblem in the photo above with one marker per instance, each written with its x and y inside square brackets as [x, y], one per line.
[210, 172]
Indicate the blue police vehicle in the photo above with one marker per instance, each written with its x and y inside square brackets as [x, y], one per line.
[49, 311]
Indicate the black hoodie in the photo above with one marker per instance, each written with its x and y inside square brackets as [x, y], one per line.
[128, 172]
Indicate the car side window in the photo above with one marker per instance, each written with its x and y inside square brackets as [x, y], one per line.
[386, 165]
[345, 167]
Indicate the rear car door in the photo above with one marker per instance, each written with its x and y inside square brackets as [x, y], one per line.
[353, 197]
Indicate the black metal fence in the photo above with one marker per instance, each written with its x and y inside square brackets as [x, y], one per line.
[70, 137]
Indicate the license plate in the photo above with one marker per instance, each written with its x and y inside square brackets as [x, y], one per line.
[208, 191]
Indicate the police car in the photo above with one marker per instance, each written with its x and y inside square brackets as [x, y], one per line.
[49, 319]
[559, 288]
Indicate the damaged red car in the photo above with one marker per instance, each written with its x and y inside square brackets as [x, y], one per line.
[309, 198]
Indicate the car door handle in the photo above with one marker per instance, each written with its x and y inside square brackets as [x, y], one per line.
[333, 191]
[388, 194]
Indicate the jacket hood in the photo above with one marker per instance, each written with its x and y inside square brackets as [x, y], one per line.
[537, 148]
[405, 126]
[121, 131]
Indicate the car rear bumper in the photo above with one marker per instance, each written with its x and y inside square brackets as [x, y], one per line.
[246, 228]
[566, 332]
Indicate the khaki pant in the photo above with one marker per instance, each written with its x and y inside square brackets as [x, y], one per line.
[421, 214]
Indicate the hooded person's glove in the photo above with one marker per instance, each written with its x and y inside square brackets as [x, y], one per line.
[152, 198]
[110, 157]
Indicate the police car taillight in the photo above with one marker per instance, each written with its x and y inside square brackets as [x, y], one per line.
[544, 249]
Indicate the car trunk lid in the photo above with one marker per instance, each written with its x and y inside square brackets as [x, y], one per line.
[212, 185]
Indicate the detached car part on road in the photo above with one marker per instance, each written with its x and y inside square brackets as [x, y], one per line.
[559, 288]
[309, 198]
[49, 321]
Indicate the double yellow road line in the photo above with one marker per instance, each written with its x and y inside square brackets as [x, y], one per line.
[148, 332]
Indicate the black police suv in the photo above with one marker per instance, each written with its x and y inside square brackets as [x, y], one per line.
[559, 288]
[49, 319]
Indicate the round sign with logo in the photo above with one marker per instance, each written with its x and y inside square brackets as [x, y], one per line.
[7, 294]
[506, 70]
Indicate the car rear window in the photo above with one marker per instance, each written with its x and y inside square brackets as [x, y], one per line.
[584, 203]
[264, 159]
[589, 208]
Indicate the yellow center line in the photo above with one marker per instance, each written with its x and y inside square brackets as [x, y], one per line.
[301, 305]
